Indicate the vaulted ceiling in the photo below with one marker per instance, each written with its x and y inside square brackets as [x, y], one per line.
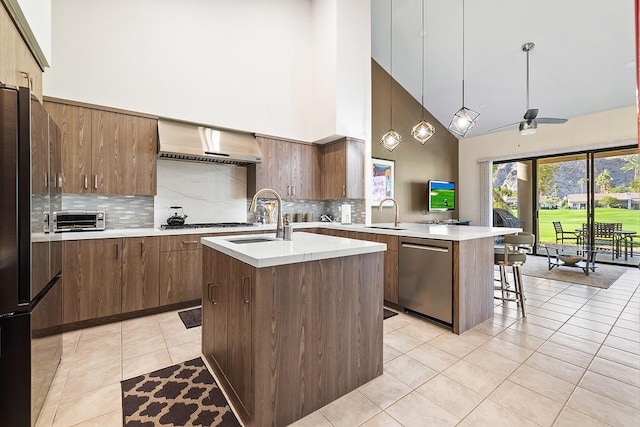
[583, 61]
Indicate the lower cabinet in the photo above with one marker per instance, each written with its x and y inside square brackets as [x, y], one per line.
[104, 277]
[140, 273]
[180, 268]
[91, 277]
[227, 310]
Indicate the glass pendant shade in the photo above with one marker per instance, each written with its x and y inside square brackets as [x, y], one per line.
[423, 131]
[391, 140]
[463, 120]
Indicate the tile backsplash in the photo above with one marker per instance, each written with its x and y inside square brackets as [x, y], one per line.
[120, 211]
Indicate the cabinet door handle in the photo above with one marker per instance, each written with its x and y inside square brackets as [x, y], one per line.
[210, 287]
[293, 190]
[86, 181]
[46, 180]
[213, 288]
[141, 248]
[344, 190]
[95, 182]
[60, 180]
[117, 252]
[288, 190]
[246, 281]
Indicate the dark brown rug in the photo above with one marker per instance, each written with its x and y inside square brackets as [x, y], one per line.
[388, 313]
[191, 318]
[180, 395]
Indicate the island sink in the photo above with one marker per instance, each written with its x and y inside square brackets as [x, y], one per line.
[251, 240]
[385, 228]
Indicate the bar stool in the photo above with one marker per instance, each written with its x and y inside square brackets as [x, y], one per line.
[514, 255]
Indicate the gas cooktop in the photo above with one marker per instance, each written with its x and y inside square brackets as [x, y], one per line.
[205, 225]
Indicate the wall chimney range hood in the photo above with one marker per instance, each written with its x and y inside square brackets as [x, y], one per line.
[201, 143]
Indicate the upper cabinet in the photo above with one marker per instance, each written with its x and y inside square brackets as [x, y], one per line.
[105, 152]
[18, 66]
[342, 164]
[290, 168]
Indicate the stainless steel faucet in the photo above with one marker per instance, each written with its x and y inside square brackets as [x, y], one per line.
[397, 219]
[252, 208]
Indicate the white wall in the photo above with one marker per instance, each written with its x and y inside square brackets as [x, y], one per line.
[608, 129]
[265, 66]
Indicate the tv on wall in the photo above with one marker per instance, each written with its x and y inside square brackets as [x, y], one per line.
[441, 195]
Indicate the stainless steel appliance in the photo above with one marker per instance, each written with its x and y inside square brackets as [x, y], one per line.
[425, 271]
[30, 260]
[77, 221]
[203, 143]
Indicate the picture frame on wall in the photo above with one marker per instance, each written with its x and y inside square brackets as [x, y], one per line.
[383, 186]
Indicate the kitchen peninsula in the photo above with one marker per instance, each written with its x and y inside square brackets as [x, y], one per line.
[289, 326]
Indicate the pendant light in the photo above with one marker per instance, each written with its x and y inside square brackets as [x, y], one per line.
[391, 139]
[464, 119]
[423, 130]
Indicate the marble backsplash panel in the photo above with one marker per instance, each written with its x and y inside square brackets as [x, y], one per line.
[207, 192]
[314, 207]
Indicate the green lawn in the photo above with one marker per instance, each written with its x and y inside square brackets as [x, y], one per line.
[573, 219]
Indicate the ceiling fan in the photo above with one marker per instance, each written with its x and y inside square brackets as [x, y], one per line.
[530, 123]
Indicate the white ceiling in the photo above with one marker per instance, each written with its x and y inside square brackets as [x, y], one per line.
[583, 61]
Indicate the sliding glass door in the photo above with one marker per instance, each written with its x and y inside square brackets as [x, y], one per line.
[574, 201]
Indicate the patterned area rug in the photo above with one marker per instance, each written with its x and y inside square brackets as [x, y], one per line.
[191, 318]
[603, 277]
[388, 313]
[180, 395]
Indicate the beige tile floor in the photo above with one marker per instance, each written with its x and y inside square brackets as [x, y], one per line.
[573, 361]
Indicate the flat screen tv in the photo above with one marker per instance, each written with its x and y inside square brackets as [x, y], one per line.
[441, 195]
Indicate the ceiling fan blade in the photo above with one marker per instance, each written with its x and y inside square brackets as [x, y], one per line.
[531, 114]
[503, 127]
[551, 121]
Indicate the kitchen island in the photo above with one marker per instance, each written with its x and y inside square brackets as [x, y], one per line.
[289, 326]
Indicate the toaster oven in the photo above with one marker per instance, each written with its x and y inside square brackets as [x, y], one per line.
[77, 221]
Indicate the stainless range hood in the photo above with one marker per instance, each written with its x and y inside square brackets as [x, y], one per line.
[195, 142]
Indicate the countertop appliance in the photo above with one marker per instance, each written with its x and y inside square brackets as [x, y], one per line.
[205, 225]
[30, 269]
[77, 221]
[176, 216]
[425, 271]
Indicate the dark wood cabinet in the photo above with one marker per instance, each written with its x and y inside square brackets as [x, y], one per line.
[105, 152]
[140, 273]
[342, 165]
[286, 340]
[180, 268]
[290, 168]
[92, 272]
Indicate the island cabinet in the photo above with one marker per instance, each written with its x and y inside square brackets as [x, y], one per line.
[342, 165]
[286, 340]
[390, 256]
[105, 277]
[290, 168]
[105, 151]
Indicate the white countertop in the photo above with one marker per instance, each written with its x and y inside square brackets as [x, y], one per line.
[426, 231]
[304, 247]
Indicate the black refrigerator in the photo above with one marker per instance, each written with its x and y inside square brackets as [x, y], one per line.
[30, 258]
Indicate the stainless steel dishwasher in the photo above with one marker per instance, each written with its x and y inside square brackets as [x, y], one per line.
[425, 277]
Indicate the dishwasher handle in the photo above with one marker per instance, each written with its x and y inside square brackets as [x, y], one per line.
[425, 247]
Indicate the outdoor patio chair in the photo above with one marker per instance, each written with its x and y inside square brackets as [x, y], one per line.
[562, 235]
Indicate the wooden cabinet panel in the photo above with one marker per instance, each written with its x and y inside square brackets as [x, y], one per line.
[140, 273]
[17, 58]
[92, 271]
[292, 169]
[75, 124]
[342, 164]
[105, 152]
[180, 276]
[123, 153]
[181, 242]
